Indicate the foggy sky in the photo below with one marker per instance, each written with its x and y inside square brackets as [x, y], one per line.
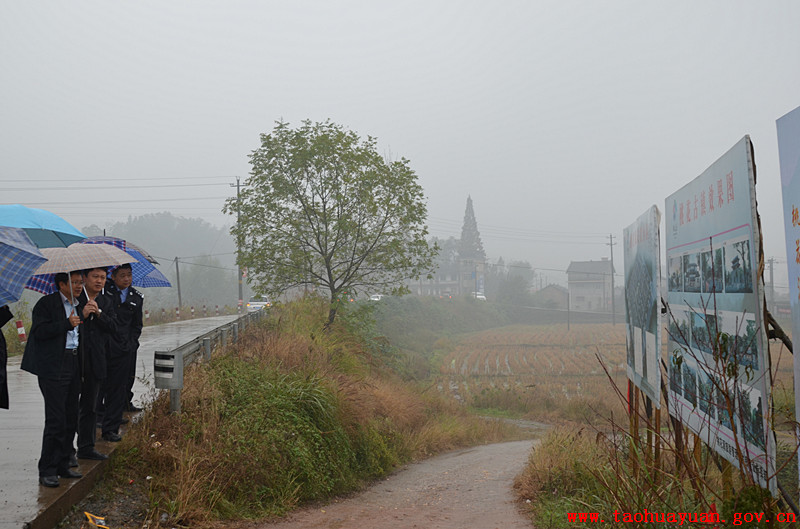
[563, 120]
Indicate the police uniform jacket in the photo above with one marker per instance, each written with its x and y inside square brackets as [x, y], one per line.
[128, 317]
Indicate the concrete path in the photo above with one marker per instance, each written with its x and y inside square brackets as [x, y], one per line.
[23, 502]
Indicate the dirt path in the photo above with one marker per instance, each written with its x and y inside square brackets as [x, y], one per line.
[469, 488]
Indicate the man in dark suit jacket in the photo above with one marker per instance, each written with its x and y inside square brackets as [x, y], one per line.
[5, 315]
[98, 327]
[52, 355]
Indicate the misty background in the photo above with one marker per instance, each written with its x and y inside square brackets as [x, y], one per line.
[563, 120]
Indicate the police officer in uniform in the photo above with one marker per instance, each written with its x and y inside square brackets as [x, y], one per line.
[116, 395]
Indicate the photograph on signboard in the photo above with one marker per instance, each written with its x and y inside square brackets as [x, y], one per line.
[711, 269]
[675, 269]
[750, 415]
[716, 336]
[691, 272]
[642, 252]
[706, 394]
[738, 270]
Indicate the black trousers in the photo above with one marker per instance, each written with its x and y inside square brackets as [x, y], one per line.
[131, 377]
[114, 394]
[60, 415]
[87, 416]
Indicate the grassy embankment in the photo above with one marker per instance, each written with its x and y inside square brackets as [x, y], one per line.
[290, 414]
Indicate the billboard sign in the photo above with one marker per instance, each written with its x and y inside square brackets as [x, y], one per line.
[789, 155]
[718, 364]
[642, 249]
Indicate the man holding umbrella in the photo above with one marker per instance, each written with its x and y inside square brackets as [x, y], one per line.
[52, 355]
[97, 331]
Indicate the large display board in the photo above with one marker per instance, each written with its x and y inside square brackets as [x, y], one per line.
[789, 154]
[712, 243]
[642, 249]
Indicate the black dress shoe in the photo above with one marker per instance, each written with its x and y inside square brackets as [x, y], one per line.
[48, 481]
[111, 437]
[69, 473]
[132, 407]
[73, 461]
[93, 454]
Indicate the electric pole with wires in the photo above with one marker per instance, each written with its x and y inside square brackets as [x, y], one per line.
[238, 186]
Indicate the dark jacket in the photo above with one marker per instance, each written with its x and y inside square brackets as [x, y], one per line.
[128, 316]
[5, 316]
[47, 339]
[96, 334]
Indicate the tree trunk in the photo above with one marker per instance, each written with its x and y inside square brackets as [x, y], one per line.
[331, 316]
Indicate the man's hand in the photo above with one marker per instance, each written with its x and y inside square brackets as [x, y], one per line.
[74, 320]
[90, 308]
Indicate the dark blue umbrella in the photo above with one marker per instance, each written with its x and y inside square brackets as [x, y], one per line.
[19, 258]
[46, 230]
[144, 273]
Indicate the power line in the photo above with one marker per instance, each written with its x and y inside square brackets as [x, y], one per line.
[125, 201]
[134, 178]
[111, 188]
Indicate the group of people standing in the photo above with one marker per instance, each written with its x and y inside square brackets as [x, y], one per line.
[82, 346]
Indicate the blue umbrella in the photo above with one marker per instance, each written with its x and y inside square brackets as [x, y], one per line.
[46, 230]
[19, 258]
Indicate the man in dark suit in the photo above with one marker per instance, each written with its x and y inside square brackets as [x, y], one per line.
[52, 355]
[5, 315]
[97, 330]
[116, 392]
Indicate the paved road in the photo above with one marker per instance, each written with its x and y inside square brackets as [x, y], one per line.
[22, 500]
[466, 488]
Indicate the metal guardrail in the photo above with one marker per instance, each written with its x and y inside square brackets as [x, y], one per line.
[168, 366]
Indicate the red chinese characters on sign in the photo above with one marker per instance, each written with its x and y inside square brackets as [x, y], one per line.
[707, 202]
[639, 235]
[729, 182]
[795, 216]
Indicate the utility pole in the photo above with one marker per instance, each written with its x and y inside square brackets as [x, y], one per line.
[238, 242]
[611, 244]
[178, 276]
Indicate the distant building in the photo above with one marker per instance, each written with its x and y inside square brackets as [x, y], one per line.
[551, 297]
[589, 284]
